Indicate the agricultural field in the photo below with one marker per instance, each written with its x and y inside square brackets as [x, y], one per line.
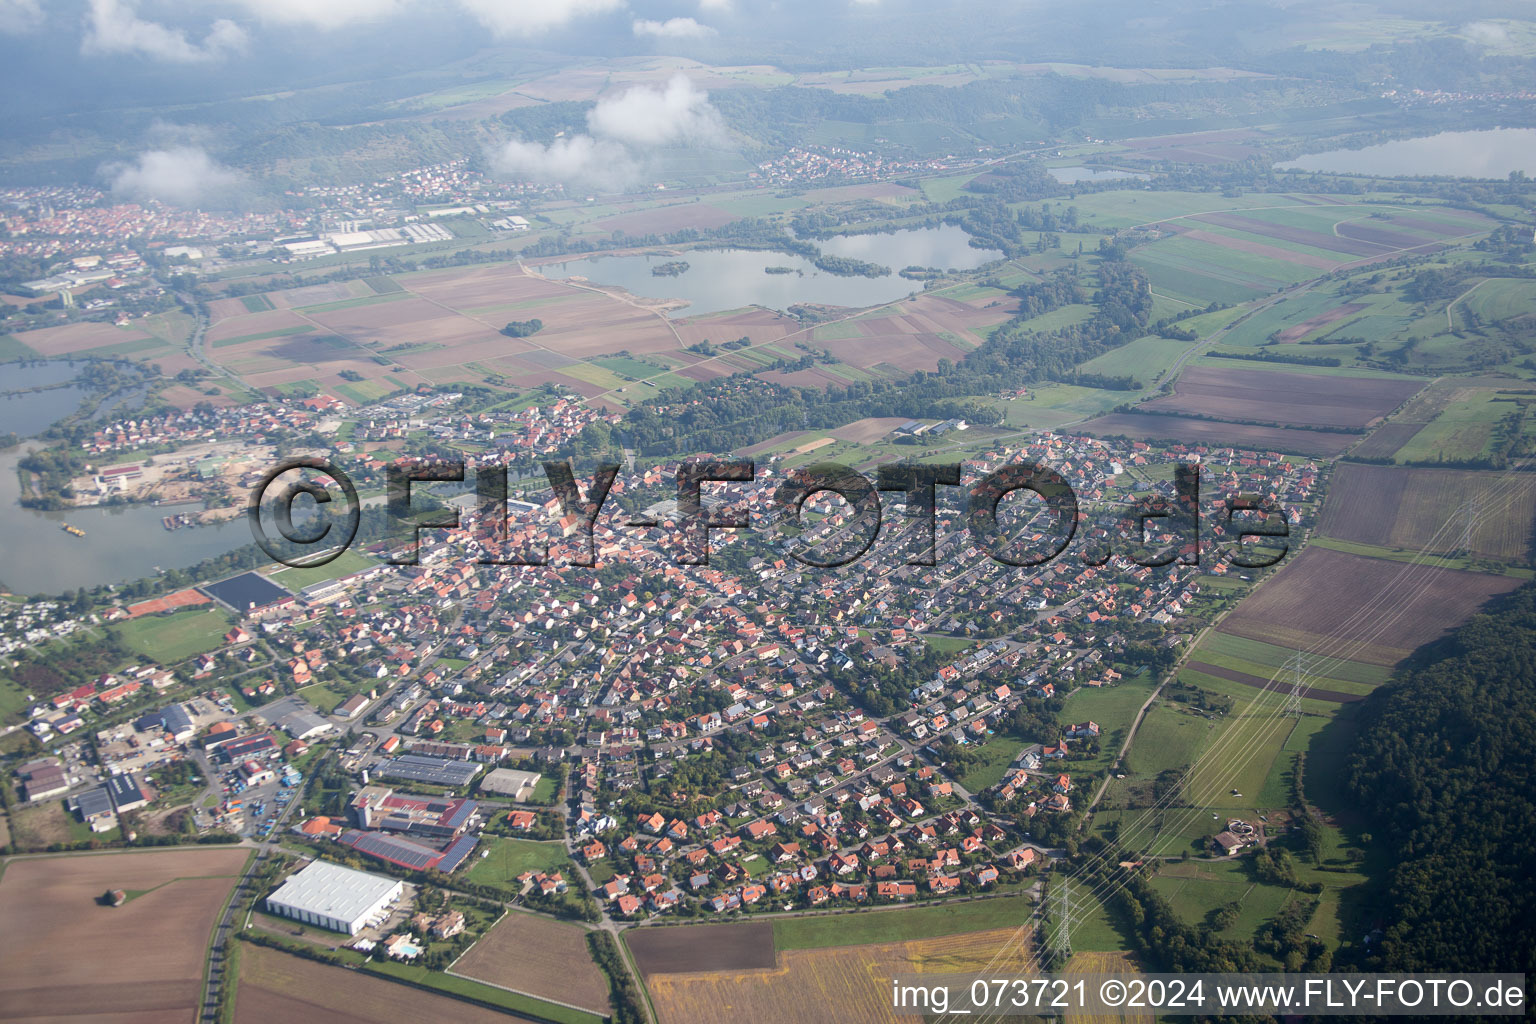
[906, 923]
[1145, 359]
[712, 947]
[1364, 609]
[72, 964]
[1189, 430]
[1197, 889]
[275, 986]
[1105, 963]
[173, 638]
[541, 957]
[1284, 399]
[1411, 509]
[831, 986]
[1465, 430]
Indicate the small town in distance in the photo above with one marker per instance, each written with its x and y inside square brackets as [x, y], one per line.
[1257, 284]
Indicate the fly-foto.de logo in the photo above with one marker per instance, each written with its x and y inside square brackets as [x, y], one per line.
[1151, 530]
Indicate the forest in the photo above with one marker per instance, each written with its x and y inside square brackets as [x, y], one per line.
[1442, 770]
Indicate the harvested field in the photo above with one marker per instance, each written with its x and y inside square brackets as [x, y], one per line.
[1214, 432]
[1295, 235]
[1256, 248]
[705, 947]
[1387, 439]
[1280, 686]
[1105, 963]
[1285, 399]
[830, 986]
[82, 337]
[1382, 236]
[871, 428]
[76, 962]
[1306, 327]
[1371, 610]
[1399, 507]
[541, 957]
[275, 986]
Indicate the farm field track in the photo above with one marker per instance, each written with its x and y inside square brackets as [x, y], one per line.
[831, 986]
[705, 947]
[1285, 399]
[1404, 507]
[541, 957]
[1189, 430]
[142, 961]
[1315, 599]
[277, 987]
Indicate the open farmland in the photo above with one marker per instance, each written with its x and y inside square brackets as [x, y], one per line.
[541, 957]
[1105, 963]
[141, 962]
[1365, 609]
[1245, 251]
[713, 947]
[830, 986]
[1286, 399]
[71, 339]
[1398, 507]
[275, 986]
[1189, 430]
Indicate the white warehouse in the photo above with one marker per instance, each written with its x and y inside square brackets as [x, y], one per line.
[335, 897]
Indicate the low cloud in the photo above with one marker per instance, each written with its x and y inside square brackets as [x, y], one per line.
[114, 27]
[672, 28]
[179, 175]
[624, 132]
[1485, 33]
[658, 117]
[518, 18]
[579, 160]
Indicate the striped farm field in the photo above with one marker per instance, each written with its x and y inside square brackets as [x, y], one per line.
[1408, 508]
[832, 986]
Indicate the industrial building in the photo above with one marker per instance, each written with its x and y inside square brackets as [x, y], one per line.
[335, 897]
[125, 793]
[249, 593]
[434, 771]
[379, 807]
[510, 782]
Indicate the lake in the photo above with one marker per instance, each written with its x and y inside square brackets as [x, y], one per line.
[120, 544]
[26, 413]
[1481, 154]
[1072, 175]
[722, 279]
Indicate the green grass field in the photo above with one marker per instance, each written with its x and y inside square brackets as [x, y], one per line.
[996, 755]
[1464, 430]
[508, 858]
[1146, 359]
[1195, 889]
[12, 349]
[900, 925]
[345, 564]
[365, 300]
[169, 639]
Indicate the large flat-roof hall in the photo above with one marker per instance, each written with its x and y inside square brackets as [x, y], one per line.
[334, 897]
